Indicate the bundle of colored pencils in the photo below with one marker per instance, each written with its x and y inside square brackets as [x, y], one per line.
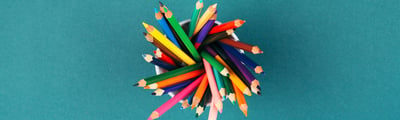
[201, 61]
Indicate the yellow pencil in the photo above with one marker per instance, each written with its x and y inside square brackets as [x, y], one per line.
[167, 43]
[205, 17]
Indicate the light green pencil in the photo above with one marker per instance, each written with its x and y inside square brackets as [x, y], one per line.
[195, 17]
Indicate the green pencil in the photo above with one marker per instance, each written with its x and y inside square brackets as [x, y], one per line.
[221, 68]
[230, 94]
[195, 17]
[169, 74]
[185, 39]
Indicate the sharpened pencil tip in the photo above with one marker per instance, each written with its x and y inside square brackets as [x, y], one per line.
[258, 93]
[197, 115]
[153, 93]
[144, 33]
[215, 5]
[258, 87]
[155, 10]
[145, 24]
[161, 4]
[135, 84]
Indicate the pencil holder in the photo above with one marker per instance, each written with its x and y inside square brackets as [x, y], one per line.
[185, 25]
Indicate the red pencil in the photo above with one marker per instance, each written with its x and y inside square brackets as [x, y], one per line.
[226, 26]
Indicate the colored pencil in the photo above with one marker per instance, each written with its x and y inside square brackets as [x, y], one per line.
[165, 50]
[185, 102]
[247, 61]
[167, 43]
[220, 84]
[205, 17]
[167, 75]
[241, 100]
[212, 115]
[195, 16]
[213, 85]
[171, 102]
[175, 80]
[240, 45]
[242, 69]
[163, 91]
[162, 7]
[164, 25]
[182, 35]
[203, 103]
[200, 92]
[160, 55]
[150, 59]
[233, 77]
[204, 31]
[230, 93]
[221, 69]
[217, 36]
[226, 26]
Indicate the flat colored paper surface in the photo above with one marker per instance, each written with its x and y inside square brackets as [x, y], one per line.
[78, 59]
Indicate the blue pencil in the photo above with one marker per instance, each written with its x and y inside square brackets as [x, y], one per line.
[164, 25]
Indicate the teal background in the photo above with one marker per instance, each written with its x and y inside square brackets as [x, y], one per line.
[77, 59]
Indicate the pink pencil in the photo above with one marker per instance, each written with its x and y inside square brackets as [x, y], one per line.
[213, 85]
[213, 111]
[171, 102]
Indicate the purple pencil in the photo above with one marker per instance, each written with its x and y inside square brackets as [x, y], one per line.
[204, 31]
[163, 91]
[246, 73]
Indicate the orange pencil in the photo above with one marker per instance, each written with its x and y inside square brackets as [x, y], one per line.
[200, 92]
[174, 80]
[241, 100]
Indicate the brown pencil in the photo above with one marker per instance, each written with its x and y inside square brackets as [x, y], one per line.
[240, 45]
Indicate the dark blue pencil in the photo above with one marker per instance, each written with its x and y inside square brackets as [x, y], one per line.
[247, 61]
[158, 62]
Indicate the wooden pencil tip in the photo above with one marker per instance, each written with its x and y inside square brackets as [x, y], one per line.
[135, 84]
[145, 24]
[258, 93]
[247, 92]
[153, 93]
[141, 83]
[154, 115]
[219, 106]
[258, 87]
[147, 57]
[258, 69]
[214, 5]
[224, 72]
